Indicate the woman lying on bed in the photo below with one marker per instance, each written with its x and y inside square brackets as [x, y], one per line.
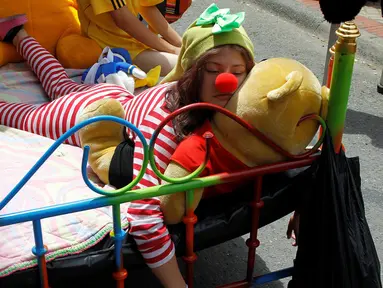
[67, 98]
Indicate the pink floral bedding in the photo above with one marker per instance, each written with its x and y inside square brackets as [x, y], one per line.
[57, 181]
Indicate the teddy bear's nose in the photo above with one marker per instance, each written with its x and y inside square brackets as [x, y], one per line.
[226, 83]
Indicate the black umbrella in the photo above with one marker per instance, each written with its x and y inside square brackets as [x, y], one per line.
[335, 248]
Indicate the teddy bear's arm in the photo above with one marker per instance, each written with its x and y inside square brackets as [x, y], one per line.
[103, 136]
[173, 205]
[8, 54]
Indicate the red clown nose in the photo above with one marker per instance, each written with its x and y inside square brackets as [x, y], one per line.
[226, 83]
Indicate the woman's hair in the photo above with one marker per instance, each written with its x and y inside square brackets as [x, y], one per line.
[187, 91]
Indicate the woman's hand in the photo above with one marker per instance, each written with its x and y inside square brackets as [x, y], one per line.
[126, 21]
[159, 24]
[293, 228]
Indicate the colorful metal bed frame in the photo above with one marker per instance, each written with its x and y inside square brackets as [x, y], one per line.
[340, 74]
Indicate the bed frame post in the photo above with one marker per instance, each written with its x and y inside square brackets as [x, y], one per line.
[39, 251]
[331, 40]
[190, 219]
[253, 242]
[256, 205]
[329, 66]
[118, 235]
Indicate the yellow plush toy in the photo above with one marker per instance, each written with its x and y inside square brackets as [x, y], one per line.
[55, 25]
[274, 96]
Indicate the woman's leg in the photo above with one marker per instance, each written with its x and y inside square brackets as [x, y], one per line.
[51, 119]
[48, 70]
[14, 114]
[149, 59]
[55, 118]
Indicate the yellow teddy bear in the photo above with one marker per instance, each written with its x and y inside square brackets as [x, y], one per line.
[55, 25]
[276, 94]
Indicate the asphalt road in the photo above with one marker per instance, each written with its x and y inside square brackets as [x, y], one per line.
[275, 37]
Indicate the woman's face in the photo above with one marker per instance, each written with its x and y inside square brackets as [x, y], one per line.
[227, 60]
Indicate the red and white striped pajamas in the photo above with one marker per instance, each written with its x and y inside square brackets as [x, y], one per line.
[145, 111]
[68, 98]
[145, 216]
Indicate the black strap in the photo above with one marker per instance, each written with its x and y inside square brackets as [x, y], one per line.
[121, 166]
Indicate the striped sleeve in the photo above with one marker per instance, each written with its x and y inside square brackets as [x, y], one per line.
[145, 216]
[103, 6]
[117, 4]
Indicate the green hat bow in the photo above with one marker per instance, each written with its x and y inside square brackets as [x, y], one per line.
[221, 18]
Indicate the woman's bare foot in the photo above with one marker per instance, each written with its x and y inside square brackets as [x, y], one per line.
[19, 36]
[11, 26]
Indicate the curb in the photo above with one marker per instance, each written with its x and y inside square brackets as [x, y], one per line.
[370, 47]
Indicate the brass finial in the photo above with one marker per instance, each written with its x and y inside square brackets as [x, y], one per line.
[348, 30]
[347, 34]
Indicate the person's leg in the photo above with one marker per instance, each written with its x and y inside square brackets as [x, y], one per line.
[14, 114]
[48, 70]
[53, 119]
[149, 59]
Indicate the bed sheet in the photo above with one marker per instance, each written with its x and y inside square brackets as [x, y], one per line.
[18, 84]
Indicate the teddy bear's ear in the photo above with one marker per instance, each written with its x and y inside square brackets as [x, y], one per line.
[325, 92]
[293, 81]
